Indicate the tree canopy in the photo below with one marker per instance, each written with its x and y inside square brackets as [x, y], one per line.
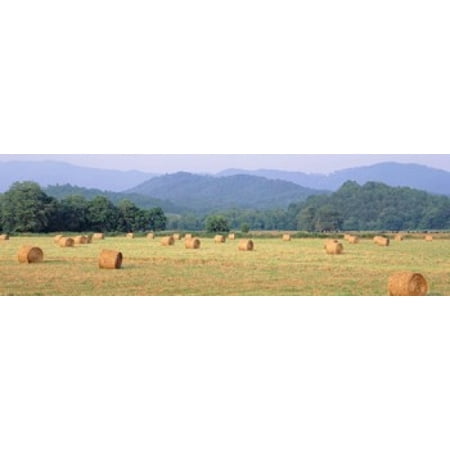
[25, 207]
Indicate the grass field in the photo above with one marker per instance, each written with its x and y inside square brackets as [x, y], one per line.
[299, 267]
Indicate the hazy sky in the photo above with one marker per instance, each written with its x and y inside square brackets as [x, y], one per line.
[214, 163]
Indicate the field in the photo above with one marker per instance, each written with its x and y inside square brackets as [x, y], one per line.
[299, 267]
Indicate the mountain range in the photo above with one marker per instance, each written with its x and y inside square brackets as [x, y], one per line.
[206, 192]
[415, 176]
[50, 172]
[230, 188]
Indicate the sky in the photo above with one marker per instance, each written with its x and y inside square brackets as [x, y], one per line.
[214, 163]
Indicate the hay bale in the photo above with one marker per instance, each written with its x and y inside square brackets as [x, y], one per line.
[330, 241]
[130, 235]
[231, 236]
[80, 240]
[286, 237]
[177, 236]
[150, 235]
[192, 243]
[334, 248]
[88, 238]
[98, 236]
[110, 259]
[219, 239]
[353, 239]
[168, 240]
[66, 242]
[4, 237]
[28, 254]
[246, 245]
[399, 237]
[57, 238]
[428, 237]
[381, 240]
[188, 236]
[407, 283]
[347, 237]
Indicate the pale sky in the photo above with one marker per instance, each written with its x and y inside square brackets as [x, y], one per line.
[214, 163]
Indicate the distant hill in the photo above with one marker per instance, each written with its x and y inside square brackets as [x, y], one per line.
[49, 172]
[393, 174]
[142, 201]
[204, 192]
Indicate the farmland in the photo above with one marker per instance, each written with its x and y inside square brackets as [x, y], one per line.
[275, 267]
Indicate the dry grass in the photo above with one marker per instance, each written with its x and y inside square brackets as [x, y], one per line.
[302, 268]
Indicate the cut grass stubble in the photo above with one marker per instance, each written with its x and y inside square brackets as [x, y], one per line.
[302, 268]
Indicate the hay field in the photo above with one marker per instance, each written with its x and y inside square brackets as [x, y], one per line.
[299, 267]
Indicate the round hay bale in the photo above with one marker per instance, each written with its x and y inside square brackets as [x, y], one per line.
[29, 255]
[347, 236]
[353, 239]
[80, 240]
[66, 242]
[150, 235]
[407, 283]
[98, 236]
[177, 236]
[330, 241]
[231, 236]
[286, 237]
[168, 240]
[110, 259]
[334, 248]
[130, 235]
[381, 240]
[246, 245]
[188, 236]
[57, 238]
[219, 239]
[428, 238]
[4, 237]
[399, 237]
[192, 243]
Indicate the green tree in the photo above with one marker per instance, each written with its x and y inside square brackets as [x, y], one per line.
[72, 214]
[328, 219]
[215, 224]
[103, 215]
[26, 208]
[307, 219]
[156, 220]
[245, 228]
[130, 216]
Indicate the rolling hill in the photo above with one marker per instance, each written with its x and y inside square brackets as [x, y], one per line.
[393, 174]
[202, 193]
[142, 201]
[50, 172]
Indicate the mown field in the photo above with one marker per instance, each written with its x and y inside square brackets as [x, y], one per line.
[299, 267]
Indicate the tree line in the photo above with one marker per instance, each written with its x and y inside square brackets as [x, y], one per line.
[25, 207]
[373, 206]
